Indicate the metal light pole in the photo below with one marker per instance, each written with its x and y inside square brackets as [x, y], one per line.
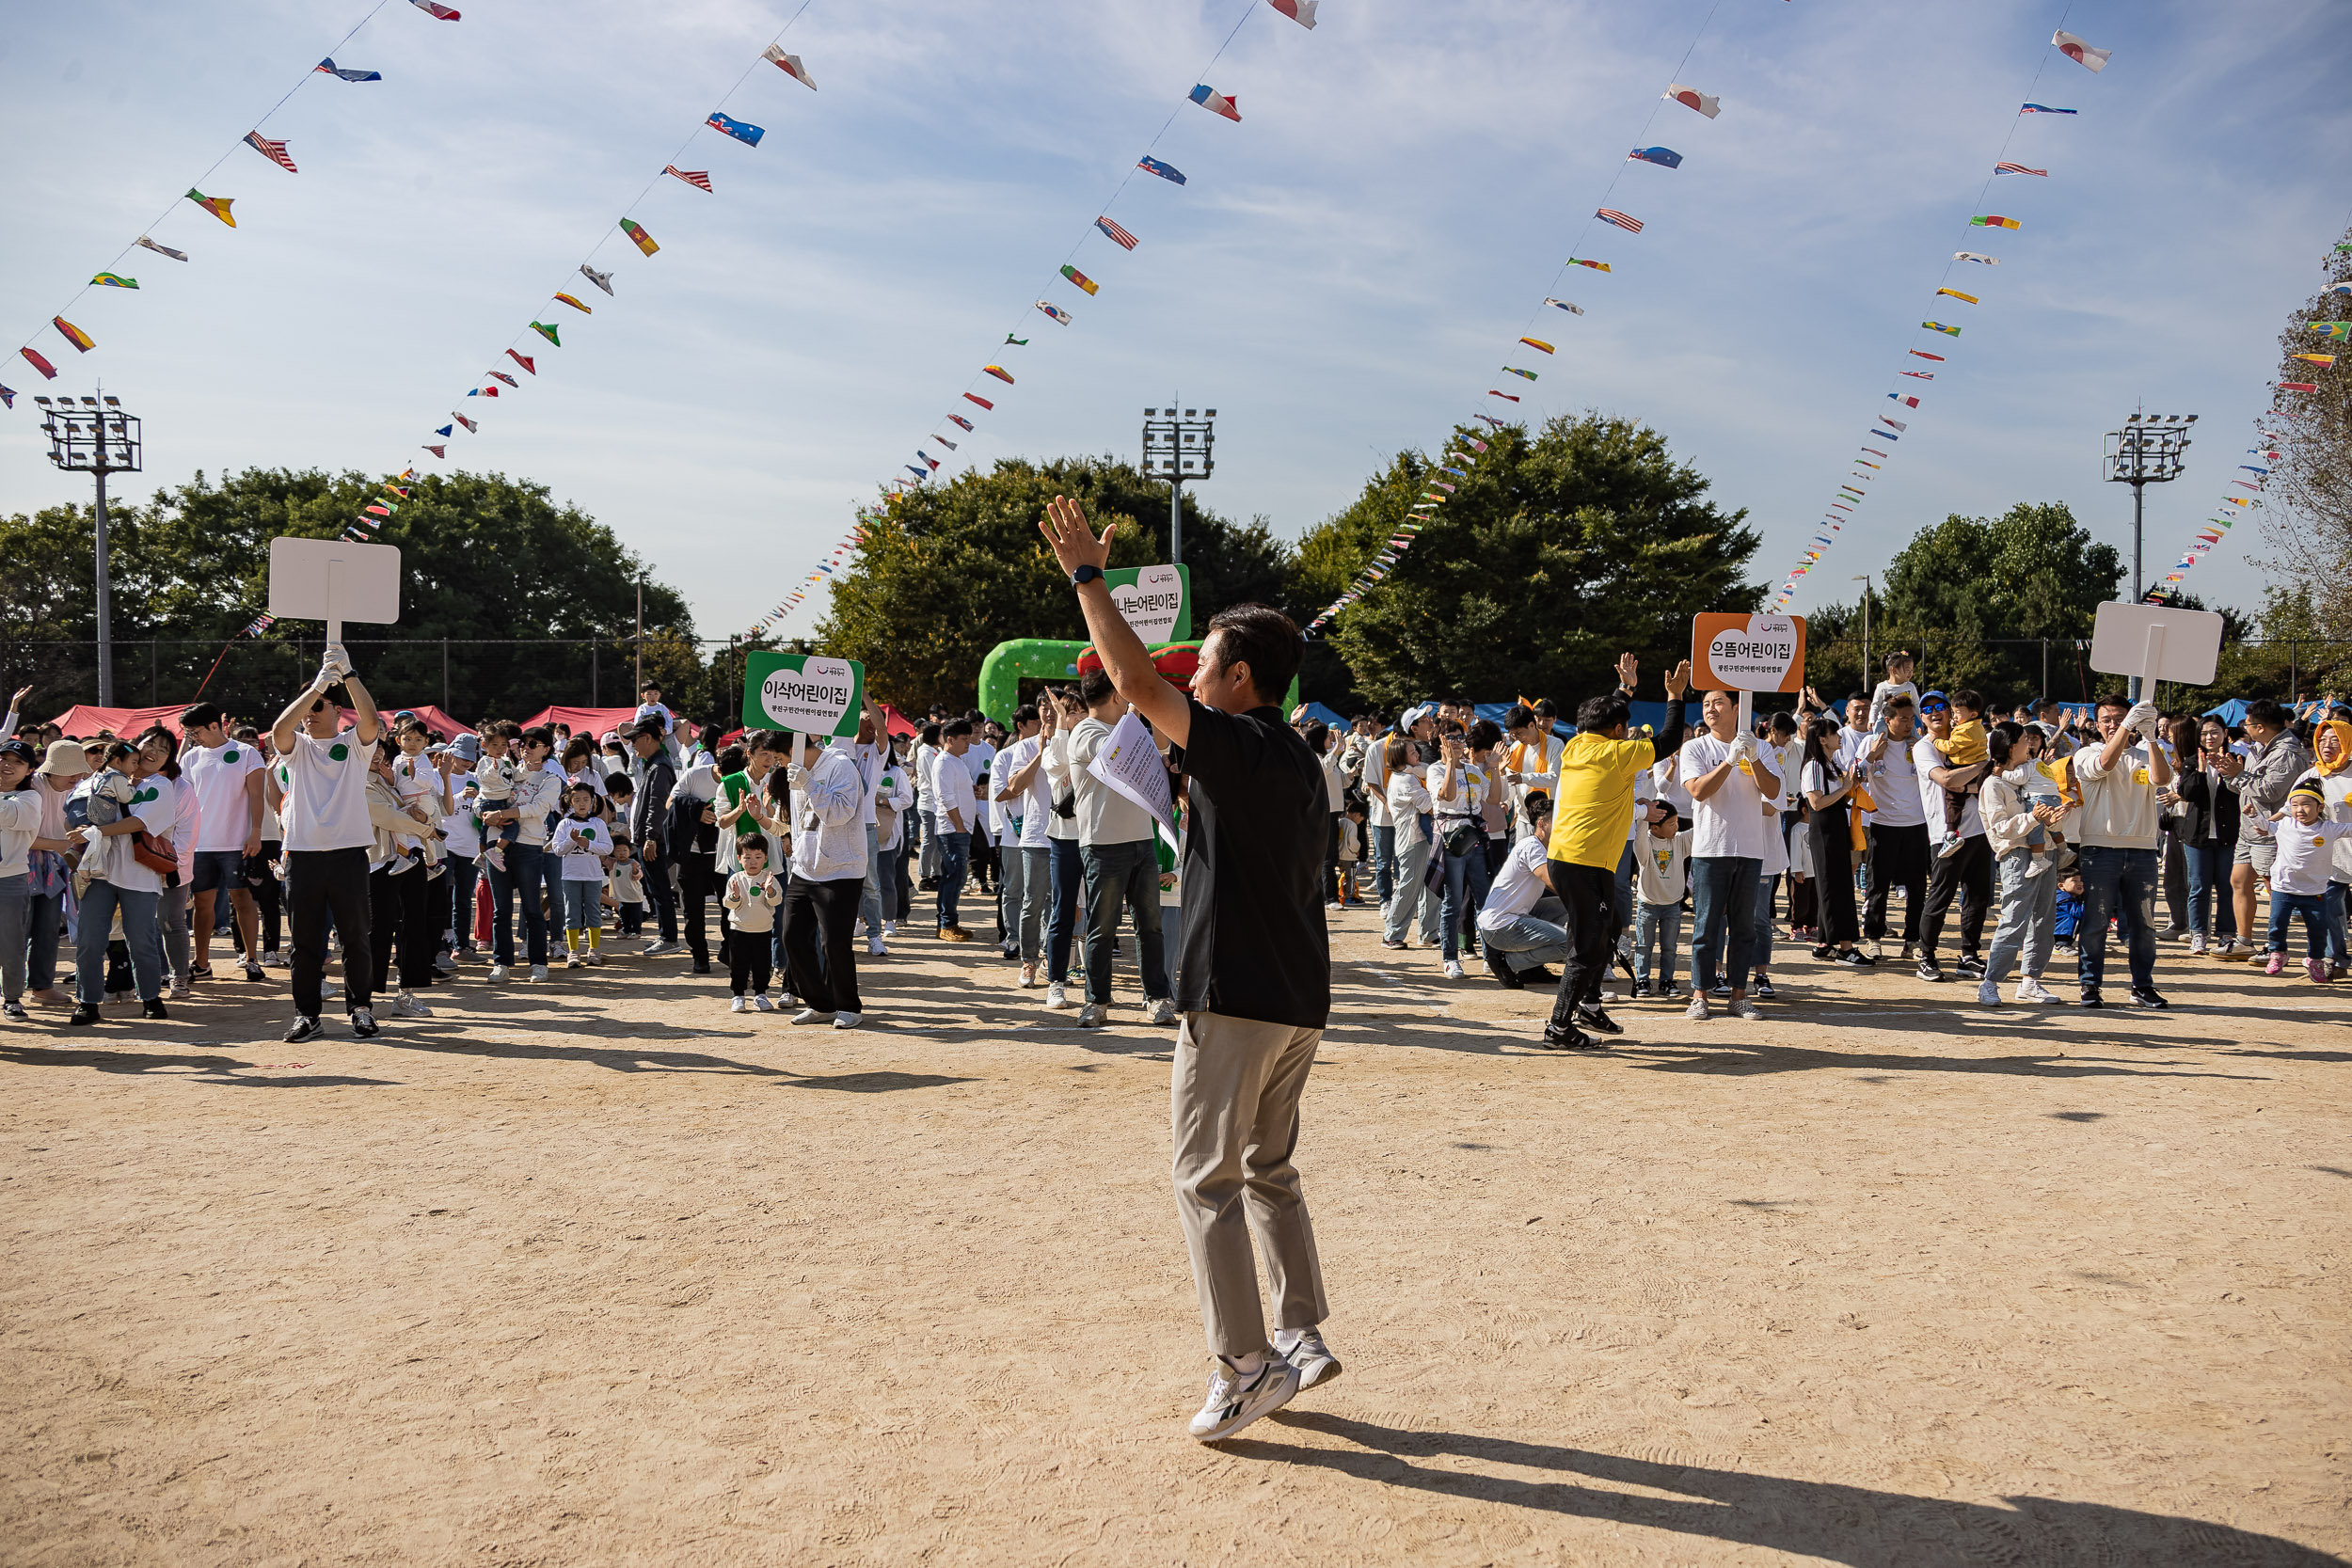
[1864, 579]
[100, 440]
[2149, 449]
[1181, 447]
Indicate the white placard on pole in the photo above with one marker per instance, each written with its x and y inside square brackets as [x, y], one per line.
[334, 581]
[2156, 642]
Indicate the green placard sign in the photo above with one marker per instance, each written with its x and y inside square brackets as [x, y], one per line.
[1156, 601]
[807, 692]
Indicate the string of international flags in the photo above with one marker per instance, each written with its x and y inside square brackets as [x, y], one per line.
[1457, 463]
[222, 207]
[2266, 452]
[500, 380]
[979, 399]
[1887, 430]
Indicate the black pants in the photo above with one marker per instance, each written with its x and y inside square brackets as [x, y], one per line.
[400, 906]
[1970, 874]
[319, 881]
[697, 882]
[1590, 893]
[1833, 871]
[822, 913]
[264, 883]
[663, 896]
[748, 965]
[1899, 860]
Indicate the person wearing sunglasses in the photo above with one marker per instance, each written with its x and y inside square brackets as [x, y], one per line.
[329, 838]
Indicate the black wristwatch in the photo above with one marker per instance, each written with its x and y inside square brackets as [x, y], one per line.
[1085, 574]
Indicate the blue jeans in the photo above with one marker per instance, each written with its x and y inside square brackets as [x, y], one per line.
[16, 901]
[2337, 947]
[1661, 925]
[1409, 892]
[2284, 907]
[1723, 919]
[2209, 887]
[1523, 942]
[1467, 880]
[1128, 873]
[582, 906]
[522, 874]
[2122, 882]
[869, 903]
[1384, 862]
[139, 935]
[1061, 920]
[43, 916]
[2028, 926]
[955, 859]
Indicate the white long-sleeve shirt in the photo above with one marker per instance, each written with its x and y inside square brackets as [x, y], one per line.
[829, 807]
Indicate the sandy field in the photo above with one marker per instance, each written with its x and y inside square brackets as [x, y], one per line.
[594, 1272]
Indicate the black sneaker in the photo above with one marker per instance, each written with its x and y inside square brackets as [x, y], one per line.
[1539, 975]
[83, 1013]
[700, 966]
[1504, 975]
[1971, 965]
[1641, 991]
[2145, 996]
[363, 1022]
[2090, 997]
[255, 972]
[1568, 1040]
[1597, 1020]
[1929, 969]
[1855, 958]
[200, 971]
[153, 1010]
[1825, 952]
[1721, 987]
[305, 1028]
[1764, 987]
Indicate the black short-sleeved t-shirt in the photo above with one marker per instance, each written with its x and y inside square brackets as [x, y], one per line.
[1254, 944]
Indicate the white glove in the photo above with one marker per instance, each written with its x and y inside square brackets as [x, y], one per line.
[1744, 747]
[2142, 717]
[338, 659]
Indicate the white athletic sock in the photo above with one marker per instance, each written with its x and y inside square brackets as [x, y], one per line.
[1246, 1366]
[1286, 1340]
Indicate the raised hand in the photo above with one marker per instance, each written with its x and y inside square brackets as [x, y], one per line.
[1074, 543]
[1678, 679]
[1629, 670]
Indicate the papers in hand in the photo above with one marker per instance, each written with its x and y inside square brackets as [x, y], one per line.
[1130, 765]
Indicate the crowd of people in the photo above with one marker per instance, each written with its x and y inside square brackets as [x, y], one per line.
[1561, 854]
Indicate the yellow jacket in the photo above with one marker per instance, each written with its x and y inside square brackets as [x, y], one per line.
[1594, 808]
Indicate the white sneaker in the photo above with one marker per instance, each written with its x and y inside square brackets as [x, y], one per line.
[810, 1015]
[761, 1005]
[874, 948]
[1744, 1007]
[328, 988]
[1164, 1011]
[572, 961]
[848, 1021]
[1453, 970]
[1989, 992]
[2196, 944]
[496, 972]
[890, 927]
[1235, 1402]
[1307, 1351]
[1057, 999]
[1092, 1016]
[857, 927]
[272, 959]
[1696, 1011]
[181, 991]
[739, 1003]
[408, 1004]
[2036, 865]
[538, 971]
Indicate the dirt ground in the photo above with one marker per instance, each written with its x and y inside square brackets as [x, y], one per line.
[597, 1272]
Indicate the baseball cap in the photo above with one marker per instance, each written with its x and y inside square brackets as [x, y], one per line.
[1415, 715]
[22, 751]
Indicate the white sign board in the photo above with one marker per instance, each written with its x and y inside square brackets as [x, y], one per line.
[1152, 604]
[334, 581]
[809, 693]
[2156, 642]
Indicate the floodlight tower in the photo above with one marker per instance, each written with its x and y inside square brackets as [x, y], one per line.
[1181, 447]
[2149, 449]
[97, 438]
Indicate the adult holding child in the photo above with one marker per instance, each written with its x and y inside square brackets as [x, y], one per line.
[2019, 825]
[1253, 979]
[329, 838]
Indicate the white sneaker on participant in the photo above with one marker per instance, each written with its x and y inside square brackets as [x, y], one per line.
[496, 972]
[1057, 999]
[1236, 1400]
[739, 1003]
[328, 988]
[1304, 1350]
[272, 959]
[810, 1015]
[890, 927]
[572, 961]
[538, 971]
[2197, 944]
[2031, 989]
[408, 1004]
[857, 927]
[874, 948]
[2038, 865]
[1164, 1011]
[1742, 1006]
[1453, 969]
[1093, 1016]
[1989, 992]
[848, 1021]
[1696, 1011]
[593, 958]
[761, 1005]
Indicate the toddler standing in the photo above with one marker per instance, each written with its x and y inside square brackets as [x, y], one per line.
[586, 844]
[751, 899]
[1661, 875]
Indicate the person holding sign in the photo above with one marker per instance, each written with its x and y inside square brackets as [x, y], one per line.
[821, 900]
[2115, 834]
[1253, 979]
[329, 837]
[1730, 781]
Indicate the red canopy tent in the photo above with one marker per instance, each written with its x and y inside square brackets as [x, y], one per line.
[88, 719]
[590, 721]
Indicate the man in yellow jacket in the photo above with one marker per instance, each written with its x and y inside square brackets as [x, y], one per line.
[1591, 815]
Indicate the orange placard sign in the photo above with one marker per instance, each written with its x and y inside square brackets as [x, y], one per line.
[1747, 653]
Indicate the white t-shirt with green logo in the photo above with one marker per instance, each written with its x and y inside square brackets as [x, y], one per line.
[326, 793]
[218, 773]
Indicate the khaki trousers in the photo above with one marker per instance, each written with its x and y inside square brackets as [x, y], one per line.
[1233, 1113]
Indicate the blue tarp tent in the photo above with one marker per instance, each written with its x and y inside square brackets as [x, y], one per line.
[1328, 716]
[2231, 713]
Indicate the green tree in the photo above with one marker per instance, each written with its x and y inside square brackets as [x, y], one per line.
[1559, 551]
[490, 564]
[945, 573]
[2308, 520]
[1974, 598]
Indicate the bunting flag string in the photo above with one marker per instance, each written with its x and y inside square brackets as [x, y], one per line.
[1846, 500]
[1104, 227]
[220, 207]
[1384, 562]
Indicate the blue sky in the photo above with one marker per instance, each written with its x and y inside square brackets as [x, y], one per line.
[1339, 278]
